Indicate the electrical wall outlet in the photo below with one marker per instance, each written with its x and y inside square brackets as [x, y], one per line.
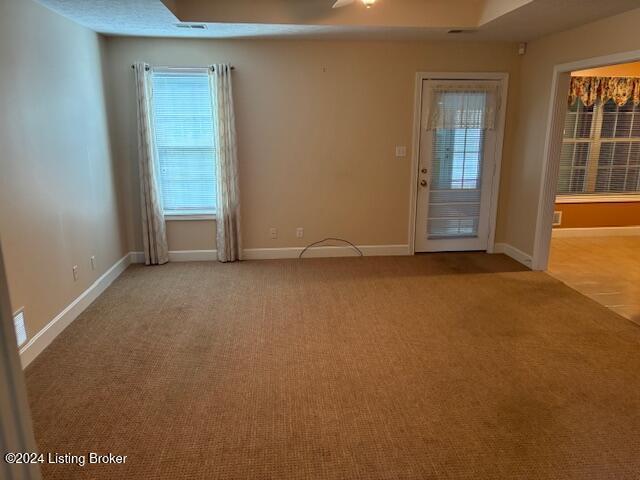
[300, 232]
[75, 273]
[273, 233]
[92, 260]
[401, 151]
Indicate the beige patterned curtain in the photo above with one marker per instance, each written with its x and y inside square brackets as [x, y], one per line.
[602, 89]
[228, 239]
[156, 251]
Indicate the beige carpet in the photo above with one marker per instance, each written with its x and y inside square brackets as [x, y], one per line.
[453, 366]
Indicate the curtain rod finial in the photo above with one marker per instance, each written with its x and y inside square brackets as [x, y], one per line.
[213, 68]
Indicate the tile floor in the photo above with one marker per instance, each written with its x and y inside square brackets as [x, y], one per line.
[606, 269]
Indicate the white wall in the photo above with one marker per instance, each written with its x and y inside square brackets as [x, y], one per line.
[610, 35]
[317, 121]
[58, 203]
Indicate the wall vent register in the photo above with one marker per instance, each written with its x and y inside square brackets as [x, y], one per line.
[557, 219]
[18, 323]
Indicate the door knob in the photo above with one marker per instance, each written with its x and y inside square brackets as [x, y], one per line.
[423, 183]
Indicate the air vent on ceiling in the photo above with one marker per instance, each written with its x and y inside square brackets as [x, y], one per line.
[18, 323]
[192, 26]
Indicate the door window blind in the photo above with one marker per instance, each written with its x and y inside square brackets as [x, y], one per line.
[455, 192]
[184, 138]
[601, 150]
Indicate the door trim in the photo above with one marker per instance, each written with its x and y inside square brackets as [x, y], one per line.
[415, 151]
[552, 146]
[16, 428]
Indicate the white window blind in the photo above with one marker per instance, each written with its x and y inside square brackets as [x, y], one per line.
[183, 129]
[455, 193]
[601, 150]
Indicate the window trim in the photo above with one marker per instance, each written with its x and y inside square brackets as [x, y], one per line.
[186, 216]
[179, 70]
[591, 198]
[194, 214]
[595, 141]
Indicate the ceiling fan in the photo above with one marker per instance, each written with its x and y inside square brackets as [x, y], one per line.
[344, 3]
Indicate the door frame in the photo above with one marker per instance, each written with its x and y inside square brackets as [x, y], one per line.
[503, 78]
[553, 145]
[16, 429]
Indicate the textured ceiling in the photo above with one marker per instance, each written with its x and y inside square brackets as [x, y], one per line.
[388, 13]
[152, 19]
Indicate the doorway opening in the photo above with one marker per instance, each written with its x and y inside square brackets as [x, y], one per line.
[595, 240]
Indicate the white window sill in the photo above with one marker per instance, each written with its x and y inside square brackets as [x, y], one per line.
[189, 216]
[597, 198]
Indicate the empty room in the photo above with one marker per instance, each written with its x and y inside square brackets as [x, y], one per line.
[319, 239]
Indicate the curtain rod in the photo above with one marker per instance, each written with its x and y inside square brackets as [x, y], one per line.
[212, 67]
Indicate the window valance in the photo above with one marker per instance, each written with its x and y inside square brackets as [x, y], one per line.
[602, 89]
[463, 106]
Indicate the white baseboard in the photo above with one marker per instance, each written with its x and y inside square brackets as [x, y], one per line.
[285, 252]
[513, 252]
[44, 337]
[136, 257]
[596, 232]
[192, 255]
[324, 251]
[181, 256]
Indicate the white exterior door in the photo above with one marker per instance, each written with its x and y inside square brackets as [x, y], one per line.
[457, 160]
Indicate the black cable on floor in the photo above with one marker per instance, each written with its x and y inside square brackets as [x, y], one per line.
[311, 245]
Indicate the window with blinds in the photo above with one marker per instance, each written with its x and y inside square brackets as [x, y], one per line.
[183, 130]
[459, 116]
[601, 150]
